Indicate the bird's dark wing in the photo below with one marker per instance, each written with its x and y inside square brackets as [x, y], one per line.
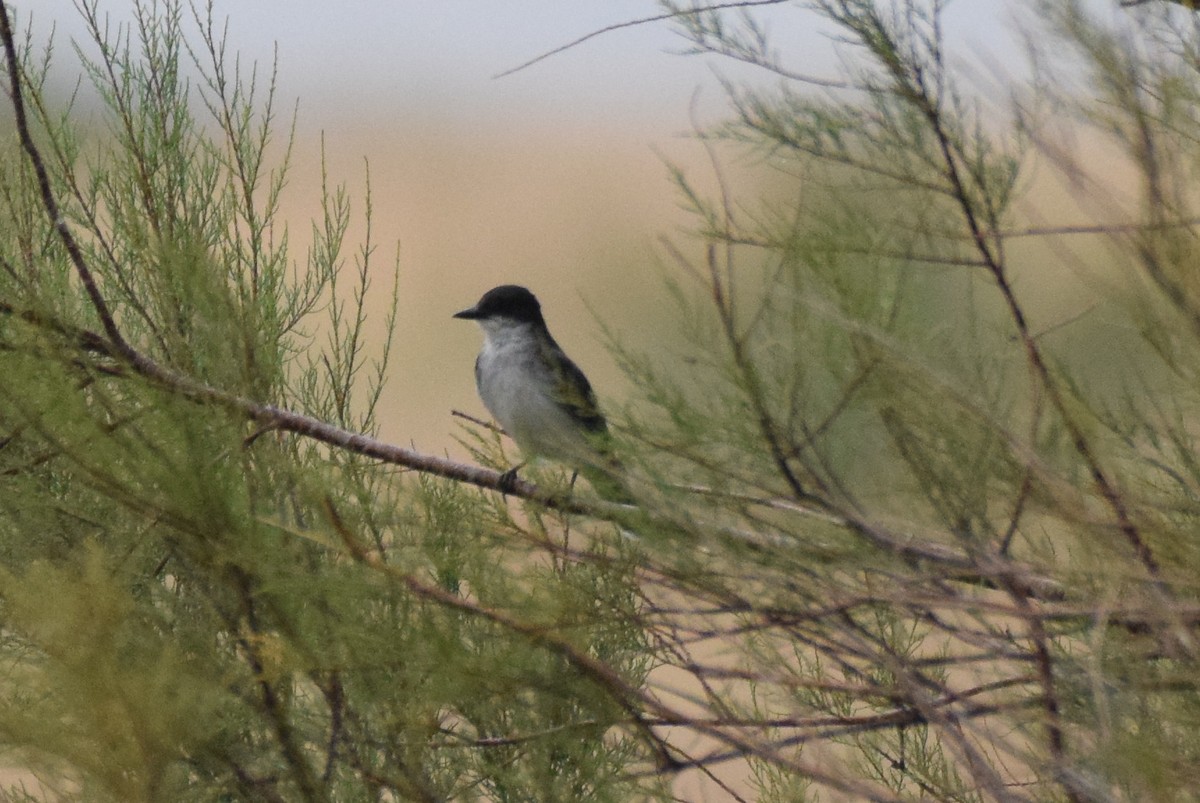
[574, 393]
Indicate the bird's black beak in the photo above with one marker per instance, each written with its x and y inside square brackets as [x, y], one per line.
[468, 314]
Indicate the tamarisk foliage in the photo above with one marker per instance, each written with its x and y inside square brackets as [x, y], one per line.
[905, 529]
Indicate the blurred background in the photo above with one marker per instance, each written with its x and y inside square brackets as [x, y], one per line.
[554, 176]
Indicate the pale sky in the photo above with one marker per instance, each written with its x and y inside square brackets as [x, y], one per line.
[368, 57]
[443, 56]
[444, 59]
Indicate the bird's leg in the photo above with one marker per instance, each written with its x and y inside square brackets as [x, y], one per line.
[567, 526]
[508, 480]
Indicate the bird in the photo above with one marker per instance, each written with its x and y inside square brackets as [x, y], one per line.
[537, 394]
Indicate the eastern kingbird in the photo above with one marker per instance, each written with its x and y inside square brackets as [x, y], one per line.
[537, 394]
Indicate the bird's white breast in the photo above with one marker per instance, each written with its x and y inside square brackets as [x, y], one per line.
[517, 388]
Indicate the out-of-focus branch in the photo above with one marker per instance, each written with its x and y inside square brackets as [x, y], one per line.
[635, 22]
[1188, 4]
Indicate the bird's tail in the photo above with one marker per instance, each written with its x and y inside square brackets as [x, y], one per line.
[609, 482]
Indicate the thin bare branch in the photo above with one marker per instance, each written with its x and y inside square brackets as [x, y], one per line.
[633, 23]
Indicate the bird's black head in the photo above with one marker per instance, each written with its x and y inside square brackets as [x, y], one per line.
[506, 301]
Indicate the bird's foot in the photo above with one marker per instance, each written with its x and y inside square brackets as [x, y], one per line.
[508, 480]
